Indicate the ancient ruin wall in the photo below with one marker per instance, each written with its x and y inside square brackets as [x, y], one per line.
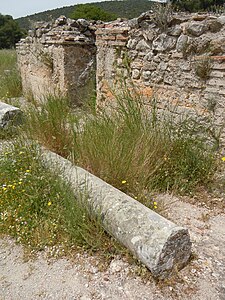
[182, 62]
[58, 58]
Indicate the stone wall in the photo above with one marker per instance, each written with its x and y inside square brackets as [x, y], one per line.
[178, 59]
[181, 62]
[58, 58]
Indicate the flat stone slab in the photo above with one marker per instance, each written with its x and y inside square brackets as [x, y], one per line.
[157, 242]
[9, 115]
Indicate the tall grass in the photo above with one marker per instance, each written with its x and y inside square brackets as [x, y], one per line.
[138, 151]
[149, 150]
[10, 81]
[49, 122]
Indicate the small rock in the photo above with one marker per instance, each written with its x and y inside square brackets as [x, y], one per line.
[115, 266]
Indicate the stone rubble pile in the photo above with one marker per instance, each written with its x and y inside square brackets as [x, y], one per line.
[61, 31]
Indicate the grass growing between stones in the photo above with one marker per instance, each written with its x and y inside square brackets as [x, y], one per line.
[137, 151]
[40, 210]
[10, 81]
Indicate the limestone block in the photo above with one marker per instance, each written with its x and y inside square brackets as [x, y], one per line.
[164, 43]
[175, 31]
[158, 243]
[221, 19]
[142, 45]
[196, 28]
[157, 76]
[135, 74]
[217, 46]
[9, 115]
[133, 23]
[214, 25]
[132, 43]
[146, 75]
[150, 66]
[182, 43]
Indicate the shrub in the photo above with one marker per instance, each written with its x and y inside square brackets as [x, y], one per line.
[91, 12]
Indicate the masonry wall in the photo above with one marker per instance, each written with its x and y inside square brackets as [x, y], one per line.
[59, 59]
[182, 64]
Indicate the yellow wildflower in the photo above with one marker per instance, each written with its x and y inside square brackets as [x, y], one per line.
[49, 203]
[223, 158]
[124, 181]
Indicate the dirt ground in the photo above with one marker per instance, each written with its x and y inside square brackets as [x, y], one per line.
[82, 278]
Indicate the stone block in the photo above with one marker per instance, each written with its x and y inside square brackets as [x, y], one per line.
[157, 242]
[9, 115]
[196, 28]
[164, 43]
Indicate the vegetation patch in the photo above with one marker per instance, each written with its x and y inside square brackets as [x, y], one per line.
[10, 81]
[136, 150]
[41, 211]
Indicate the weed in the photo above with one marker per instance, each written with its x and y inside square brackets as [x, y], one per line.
[162, 15]
[40, 210]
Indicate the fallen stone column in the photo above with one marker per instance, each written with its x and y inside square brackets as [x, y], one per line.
[158, 243]
[9, 115]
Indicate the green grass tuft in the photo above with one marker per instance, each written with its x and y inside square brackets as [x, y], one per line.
[10, 81]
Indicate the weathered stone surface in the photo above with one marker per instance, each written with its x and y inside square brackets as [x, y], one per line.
[196, 28]
[9, 115]
[164, 43]
[221, 19]
[158, 243]
[166, 61]
[138, 50]
[214, 25]
[175, 31]
[182, 43]
[136, 74]
[59, 58]
[142, 45]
